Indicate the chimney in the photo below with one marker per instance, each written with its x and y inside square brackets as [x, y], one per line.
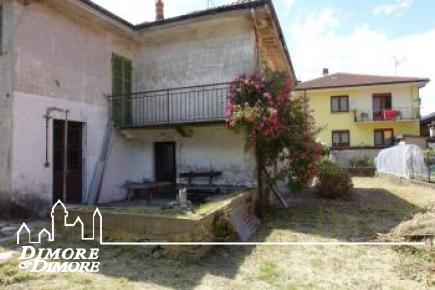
[325, 72]
[160, 13]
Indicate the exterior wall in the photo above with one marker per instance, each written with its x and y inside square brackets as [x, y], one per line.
[69, 60]
[67, 66]
[205, 53]
[31, 180]
[362, 133]
[210, 148]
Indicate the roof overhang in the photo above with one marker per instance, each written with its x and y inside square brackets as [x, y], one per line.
[421, 83]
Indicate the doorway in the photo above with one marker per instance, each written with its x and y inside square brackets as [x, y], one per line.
[75, 162]
[165, 162]
[381, 102]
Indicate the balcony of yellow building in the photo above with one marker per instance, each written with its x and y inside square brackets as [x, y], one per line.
[396, 114]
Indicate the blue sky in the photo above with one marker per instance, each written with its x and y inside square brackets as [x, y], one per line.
[345, 36]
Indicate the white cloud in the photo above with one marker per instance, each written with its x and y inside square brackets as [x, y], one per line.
[393, 8]
[314, 43]
[288, 4]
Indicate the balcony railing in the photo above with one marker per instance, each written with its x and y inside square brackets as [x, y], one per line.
[176, 106]
[386, 115]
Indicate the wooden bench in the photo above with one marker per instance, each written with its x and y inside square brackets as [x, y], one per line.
[199, 192]
[145, 188]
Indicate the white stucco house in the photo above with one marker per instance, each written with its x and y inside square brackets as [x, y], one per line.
[143, 102]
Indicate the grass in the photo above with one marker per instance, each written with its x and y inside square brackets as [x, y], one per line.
[377, 206]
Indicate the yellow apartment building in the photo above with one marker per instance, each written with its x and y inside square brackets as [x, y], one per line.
[361, 114]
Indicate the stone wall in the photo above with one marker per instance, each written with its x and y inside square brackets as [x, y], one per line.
[343, 157]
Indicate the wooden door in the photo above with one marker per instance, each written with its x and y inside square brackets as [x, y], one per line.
[75, 161]
[165, 162]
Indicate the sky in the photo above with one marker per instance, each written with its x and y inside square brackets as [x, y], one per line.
[386, 37]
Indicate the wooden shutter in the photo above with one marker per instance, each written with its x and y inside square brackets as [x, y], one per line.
[121, 90]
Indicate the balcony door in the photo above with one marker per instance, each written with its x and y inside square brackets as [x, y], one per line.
[381, 102]
[165, 162]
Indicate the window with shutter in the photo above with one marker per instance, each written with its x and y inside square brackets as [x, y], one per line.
[121, 90]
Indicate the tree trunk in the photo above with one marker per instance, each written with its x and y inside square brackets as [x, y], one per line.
[262, 201]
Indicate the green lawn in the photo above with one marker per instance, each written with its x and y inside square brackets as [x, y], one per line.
[377, 206]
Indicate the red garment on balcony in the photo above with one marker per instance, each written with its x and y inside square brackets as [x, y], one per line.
[390, 114]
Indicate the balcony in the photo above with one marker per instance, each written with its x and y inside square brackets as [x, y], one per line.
[194, 105]
[386, 115]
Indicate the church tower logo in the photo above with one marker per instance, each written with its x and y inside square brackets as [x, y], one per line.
[60, 260]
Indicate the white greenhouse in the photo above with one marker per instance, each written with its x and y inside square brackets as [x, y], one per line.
[403, 160]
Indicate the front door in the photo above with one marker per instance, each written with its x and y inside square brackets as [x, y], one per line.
[75, 163]
[381, 102]
[164, 162]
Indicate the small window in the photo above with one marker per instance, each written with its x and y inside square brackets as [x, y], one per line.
[339, 104]
[384, 137]
[340, 138]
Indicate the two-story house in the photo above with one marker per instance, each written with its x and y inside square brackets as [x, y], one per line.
[89, 101]
[361, 114]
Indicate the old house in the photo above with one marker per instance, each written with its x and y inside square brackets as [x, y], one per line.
[142, 102]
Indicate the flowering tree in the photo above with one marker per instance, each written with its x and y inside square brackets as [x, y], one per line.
[280, 128]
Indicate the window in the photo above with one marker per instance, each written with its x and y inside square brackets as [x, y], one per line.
[121, 90]
[341, 138]
[384, 137]
[121, 75]
[339, 104]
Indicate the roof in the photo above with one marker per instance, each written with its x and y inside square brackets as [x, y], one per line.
[426, 120]
[339, 80]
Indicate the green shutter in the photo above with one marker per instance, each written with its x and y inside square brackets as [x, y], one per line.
[121, 90]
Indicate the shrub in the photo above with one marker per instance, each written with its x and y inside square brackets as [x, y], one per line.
[333, 181]
[362, 162]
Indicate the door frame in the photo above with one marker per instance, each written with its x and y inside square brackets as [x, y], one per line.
[83, 169]
[174, 148]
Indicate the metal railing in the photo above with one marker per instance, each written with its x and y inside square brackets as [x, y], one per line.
[185, 105]
[394, 114]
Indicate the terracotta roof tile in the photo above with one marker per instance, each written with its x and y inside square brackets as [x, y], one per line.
[339, 80]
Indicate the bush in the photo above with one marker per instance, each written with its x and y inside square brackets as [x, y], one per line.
[333, 181]
[362, 162]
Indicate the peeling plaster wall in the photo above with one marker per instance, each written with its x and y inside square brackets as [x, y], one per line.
[60, 56]
[212, 51]
[62, 61]
[30, 179]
